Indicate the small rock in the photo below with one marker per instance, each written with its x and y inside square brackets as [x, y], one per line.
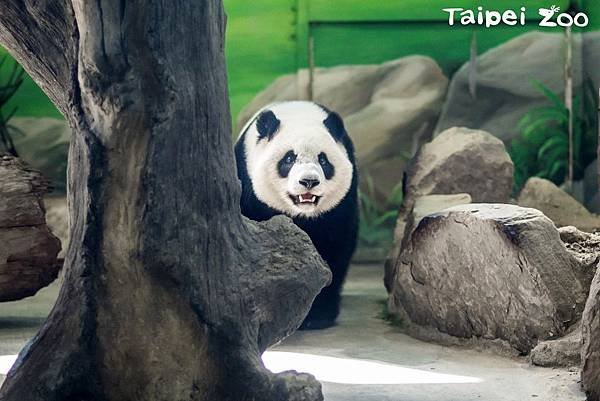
[559, 206]
[57, 218]
[299, 386]
[562, 352]
[461, 160]
[570, 235]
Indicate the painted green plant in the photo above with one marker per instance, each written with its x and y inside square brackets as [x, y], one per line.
[376, 224]
[542, 149]
[7, 89]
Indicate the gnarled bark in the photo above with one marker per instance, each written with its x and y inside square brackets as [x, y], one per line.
[169, 293]
[28, 250]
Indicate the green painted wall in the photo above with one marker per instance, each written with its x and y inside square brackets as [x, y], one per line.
[29, 100]
[268, 38]
[356, 31]
[260, 46]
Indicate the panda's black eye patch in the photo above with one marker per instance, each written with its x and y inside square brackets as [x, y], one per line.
[286, 163]
[327, 167]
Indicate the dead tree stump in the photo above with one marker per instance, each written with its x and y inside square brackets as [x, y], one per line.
[169, 294]
[28, 250]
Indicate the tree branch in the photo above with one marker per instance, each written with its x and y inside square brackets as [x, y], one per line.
[41, 35]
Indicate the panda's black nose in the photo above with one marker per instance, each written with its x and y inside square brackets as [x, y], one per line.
[309, 183]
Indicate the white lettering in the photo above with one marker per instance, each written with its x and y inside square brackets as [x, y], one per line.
[585, 18]
[509, 17]
[467, 17]
[492, 18]
[451, 12]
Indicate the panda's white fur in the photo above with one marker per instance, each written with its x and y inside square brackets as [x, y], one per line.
[301, 130]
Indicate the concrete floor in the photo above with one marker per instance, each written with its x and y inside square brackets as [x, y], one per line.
[365, 359]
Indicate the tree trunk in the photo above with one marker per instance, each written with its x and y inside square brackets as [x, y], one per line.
[169, 293]
[28, 250]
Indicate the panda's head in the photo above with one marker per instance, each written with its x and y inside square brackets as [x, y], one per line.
[298, 158]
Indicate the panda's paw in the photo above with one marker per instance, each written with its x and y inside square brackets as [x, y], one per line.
[317, 323]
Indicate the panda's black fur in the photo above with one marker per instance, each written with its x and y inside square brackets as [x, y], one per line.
[333, 233]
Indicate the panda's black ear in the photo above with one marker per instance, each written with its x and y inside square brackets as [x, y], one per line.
[267, 125]
[335, 126]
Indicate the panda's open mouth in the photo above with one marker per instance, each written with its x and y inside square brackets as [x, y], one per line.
[304, 199]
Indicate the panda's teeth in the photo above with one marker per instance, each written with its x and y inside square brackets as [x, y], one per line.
[314, 198]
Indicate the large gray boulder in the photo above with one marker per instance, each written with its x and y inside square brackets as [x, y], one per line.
[590, 348]
[389, 109]
[559, 206]
[422, 206]
[490, 271]
[504, 73]
[44, 144]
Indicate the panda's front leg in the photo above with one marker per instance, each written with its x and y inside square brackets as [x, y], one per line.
[326, 307]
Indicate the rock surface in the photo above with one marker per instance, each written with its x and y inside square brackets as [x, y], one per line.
[28, 251]
[504, 92]
[459, 161]
[389, 110]
[590, 348]
[516, 281]
[422, 206]
[44, 144]
[585, 247]
[565, 351]
[57, 218]
[559, 206]
[590, 188]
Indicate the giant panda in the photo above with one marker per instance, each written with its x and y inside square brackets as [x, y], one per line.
[296, 158]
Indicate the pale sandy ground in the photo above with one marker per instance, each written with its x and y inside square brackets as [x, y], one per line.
[364, 358]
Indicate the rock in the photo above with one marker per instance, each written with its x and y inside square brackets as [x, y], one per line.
[461, 160]
[389, 110]
[429, 204]
[299, 386]
[571, 235]
[57, 218]
[489, 271]
[562, 352]
[591, 54]
[585, 247]
[590, 187]
[28, 251]
[458, 161]
[559, 206]
[590, 345]
[423, 206]
[44, 144]
[504, 92]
